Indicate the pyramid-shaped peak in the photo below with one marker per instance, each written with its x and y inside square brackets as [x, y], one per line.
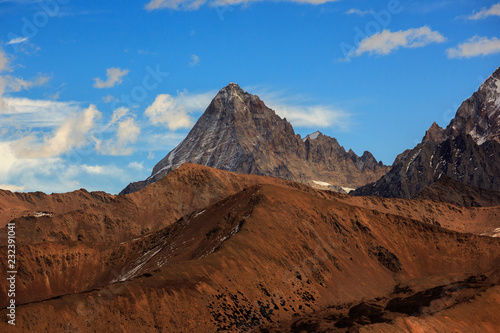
[232, 88]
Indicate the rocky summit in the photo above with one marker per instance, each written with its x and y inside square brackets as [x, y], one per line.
[467, 150]
[239, 133]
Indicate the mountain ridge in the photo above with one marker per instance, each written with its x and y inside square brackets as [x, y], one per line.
[239, 133]
[467, 150]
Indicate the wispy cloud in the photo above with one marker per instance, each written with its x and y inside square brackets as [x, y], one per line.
[300, 111]
[196, 4]
[17, 40]
[486, 12]
[359, 12]
[195, 60]
[108, 99]
[31, 113]
[385, 42]
[16, 84]
[9, 83]
[475, 46]
[73, 133]
[114, 76]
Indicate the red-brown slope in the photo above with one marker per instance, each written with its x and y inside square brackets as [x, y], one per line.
[293, 253]
[123, 217]
[14, 205]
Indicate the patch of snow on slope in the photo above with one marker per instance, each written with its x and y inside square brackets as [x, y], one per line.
[413, 159]
[494, 233]
[138, 265]
[348, 189]
[478, 138]
[321, 183]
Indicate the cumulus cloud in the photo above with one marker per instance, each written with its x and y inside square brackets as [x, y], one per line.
[475, 46]
[71, 134]
[166, 111]
[114, 76]
[385, 42]
[127, 132]
[174, 112]
[485, 12]
[196, 4]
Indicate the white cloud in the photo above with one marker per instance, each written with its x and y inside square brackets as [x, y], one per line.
[127, 133]
[12, 188]
[485, 12]
[44, 174]
[385, 42]
[3, 66]
[102, 170]
[14, 84]
[114, 76]
[136, 165]
[17, 84]
[359, 12]
[3, 61]
[73, 133]
[475, 46]
[314, 116]
[117, 115]
[195, 60]
[17, 40]
[108, 99]
[300, 112]
[174, 112]
[196, 4]
[166, 111]
[29, 113]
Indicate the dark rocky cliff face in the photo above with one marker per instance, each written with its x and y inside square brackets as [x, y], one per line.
[239, 133]
[468, 150]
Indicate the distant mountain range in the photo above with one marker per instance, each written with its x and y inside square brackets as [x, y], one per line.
[239, 133]
[467, 150]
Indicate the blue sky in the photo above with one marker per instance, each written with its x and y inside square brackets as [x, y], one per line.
[94, 93]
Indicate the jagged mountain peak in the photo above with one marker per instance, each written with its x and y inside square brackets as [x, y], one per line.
[479, 116]
[238, 132]
[468, 150]
[435, 133]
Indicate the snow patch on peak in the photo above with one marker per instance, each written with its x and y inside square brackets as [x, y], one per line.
[312, 136]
